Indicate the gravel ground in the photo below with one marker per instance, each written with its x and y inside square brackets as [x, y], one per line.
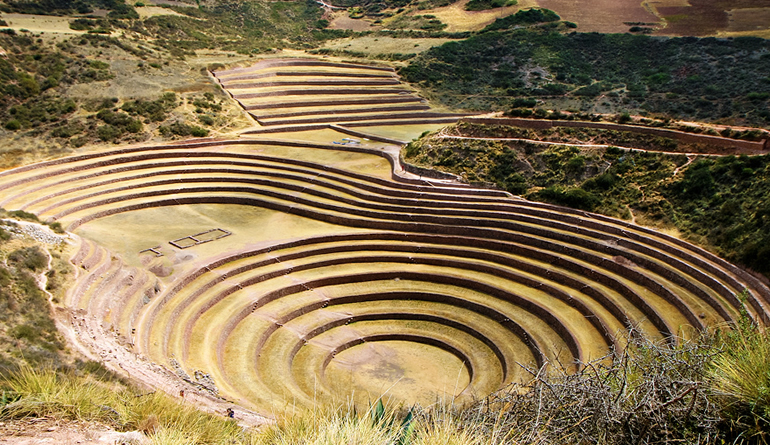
[38, 232]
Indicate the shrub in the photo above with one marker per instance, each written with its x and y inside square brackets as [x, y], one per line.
[757, 96]
[521, 102]
[108, 132]
[182, 129]
[697, 181]
[56, 227]
[624, 117]
[198, 131]
[574, 197]
[480, 5]
[155, 110]
[12, 125]
[647, 393]
[118, 123]
[98, 64]
[31, 258]
[523, 17]
[82, 24]
[21, 214]
[24, 331]
[741, 376]
[575, 165]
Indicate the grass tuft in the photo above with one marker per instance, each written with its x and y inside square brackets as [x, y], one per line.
[740, 377]
[45, 392]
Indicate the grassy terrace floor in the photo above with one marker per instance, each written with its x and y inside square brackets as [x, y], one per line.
[305, 91]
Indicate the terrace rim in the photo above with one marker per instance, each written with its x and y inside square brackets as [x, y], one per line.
[490, 280]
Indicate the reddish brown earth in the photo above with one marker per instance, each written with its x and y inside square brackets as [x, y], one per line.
[705, 17]
[605, 16]
[48, 430]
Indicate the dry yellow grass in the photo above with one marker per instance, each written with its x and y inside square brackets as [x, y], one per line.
[341, 20]
[380, 45]
[458, 19]
[40, 23]
[401, 132]
[150, 11]
[664, 3]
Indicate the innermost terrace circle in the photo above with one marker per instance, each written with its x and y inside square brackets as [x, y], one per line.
[401, 370]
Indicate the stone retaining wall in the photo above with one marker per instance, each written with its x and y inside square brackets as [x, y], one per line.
[681, 136]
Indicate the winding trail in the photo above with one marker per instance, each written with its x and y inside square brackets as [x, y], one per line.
[568, 144]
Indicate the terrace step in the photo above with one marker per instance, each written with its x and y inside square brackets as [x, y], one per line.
[429, 219]
[345, 120]
[437, 267]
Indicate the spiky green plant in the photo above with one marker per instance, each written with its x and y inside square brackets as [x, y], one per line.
[740, 376]
[31, 392]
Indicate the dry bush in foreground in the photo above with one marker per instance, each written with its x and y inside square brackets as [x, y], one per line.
[648, 393]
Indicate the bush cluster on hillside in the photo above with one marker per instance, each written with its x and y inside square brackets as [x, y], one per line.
[118, 9]
[694, 78]
[721, 203]
[29, 334]
[481, 5]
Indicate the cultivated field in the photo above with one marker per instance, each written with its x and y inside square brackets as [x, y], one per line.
[606, 16]
[295, 268]
[708, 17]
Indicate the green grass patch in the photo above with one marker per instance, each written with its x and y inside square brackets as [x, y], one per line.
[720, 203]
[45, 392]
[719, 80]
[482, 5]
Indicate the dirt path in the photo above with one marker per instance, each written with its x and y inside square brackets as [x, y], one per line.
[49, 430]
[689, 161]
[567, 144]
[86, 334]
[631, 212]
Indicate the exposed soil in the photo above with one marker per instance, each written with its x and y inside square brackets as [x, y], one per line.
[380, 45]
[458, 19]
[606, 16]
[708, 17]
[749, 19]
[150, 11]
[40, 23]
[342, 21]
[60, 432]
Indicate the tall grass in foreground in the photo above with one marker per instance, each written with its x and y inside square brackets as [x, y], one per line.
[740, 376]
[37, 393]
[31, 392]
[377, 426]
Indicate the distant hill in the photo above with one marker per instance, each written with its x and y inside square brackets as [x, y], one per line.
[704, 79]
